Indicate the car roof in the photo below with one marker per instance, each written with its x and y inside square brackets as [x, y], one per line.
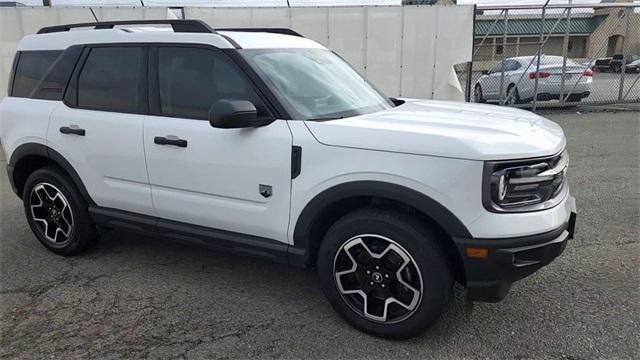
[529, 57]
[269, 40]
[223, 39]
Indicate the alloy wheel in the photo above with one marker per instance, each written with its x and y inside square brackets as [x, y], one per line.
[378, 278]
[511, 96]
[51, 211]
[477, 94]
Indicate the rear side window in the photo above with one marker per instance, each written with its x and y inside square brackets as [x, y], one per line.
[512, 65]
[114, 79]
[30, 71]
[191, 79]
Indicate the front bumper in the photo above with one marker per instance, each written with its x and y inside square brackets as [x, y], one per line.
[489, 278]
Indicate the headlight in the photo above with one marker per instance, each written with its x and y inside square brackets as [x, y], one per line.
[525, 185]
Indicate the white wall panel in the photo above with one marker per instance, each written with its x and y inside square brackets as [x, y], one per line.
[311, 23]
[454, 45]
[384, 45]
[74, 15]
[347, 31]
[113, 14]
[10, 33]
[221, 18]
[32, 19]
[270, 17]
[418, 43]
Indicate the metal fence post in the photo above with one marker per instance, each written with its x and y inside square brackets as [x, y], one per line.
[504, 45]
[624, 53]
[469, 80]
[565, 49]
[591, 62]
[487, 34]
[635, 81]
[540, 45]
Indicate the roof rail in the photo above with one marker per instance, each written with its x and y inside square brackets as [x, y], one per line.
[282, 31]
[190, 26]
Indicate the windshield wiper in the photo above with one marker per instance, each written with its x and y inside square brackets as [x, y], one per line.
[326, 118]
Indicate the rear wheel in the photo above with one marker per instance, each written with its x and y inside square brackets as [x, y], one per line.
[513, 97]
[383, 272]
[57, 213]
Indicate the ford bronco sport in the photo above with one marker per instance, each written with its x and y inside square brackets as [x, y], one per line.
[262, 142]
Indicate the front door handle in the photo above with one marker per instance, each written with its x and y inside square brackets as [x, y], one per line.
[170, 140]
[72, 129]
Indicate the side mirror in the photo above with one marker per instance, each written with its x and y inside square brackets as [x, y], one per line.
[485, 72]
[233, 114]
[396, 101]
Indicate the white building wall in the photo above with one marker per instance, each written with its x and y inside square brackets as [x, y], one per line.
[405, 51]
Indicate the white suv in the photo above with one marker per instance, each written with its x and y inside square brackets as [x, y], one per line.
[264, 143]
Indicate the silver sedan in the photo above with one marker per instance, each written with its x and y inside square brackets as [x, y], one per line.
[518, 85]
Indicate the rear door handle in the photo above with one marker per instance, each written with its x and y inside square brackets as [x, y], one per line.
[170, 140]
[72, 129]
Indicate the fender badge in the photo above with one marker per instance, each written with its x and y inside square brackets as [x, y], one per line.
[265, 190]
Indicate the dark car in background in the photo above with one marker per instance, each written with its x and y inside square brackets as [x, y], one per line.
[618, 61]
[602, 65]
[633, 67]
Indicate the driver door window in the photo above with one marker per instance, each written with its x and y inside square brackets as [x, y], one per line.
[191, 80]
[496, 69]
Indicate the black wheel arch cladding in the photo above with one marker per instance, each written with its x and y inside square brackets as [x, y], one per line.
[25, 152]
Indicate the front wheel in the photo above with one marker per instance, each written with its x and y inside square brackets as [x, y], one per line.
[477, 94]
[383, 272]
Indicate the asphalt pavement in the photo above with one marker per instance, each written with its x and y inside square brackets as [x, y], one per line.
[139, 297]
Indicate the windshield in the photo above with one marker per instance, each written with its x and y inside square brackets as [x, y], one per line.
[315, 84]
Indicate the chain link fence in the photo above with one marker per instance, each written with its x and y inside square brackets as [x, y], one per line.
[554, 55]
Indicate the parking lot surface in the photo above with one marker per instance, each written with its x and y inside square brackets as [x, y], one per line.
[133, 296]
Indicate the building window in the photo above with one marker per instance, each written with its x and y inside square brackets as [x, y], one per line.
[499, 49]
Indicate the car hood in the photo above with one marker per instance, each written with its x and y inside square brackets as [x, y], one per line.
[447, 129]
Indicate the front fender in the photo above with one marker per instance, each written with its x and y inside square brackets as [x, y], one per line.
[432, 208]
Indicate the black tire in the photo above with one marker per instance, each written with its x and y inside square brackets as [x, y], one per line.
[418, 241]
[477, 95]
[575, 98]
[515, 98]
[63, 224]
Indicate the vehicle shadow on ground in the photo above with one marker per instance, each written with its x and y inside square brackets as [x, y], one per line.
[260, 278]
